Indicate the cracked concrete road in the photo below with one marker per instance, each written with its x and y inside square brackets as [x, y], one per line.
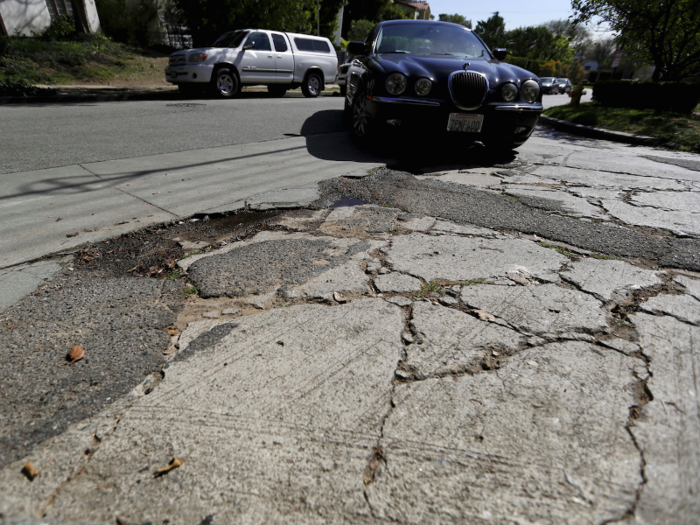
[488, 344]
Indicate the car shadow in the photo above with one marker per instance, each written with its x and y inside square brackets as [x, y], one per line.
[328, 138]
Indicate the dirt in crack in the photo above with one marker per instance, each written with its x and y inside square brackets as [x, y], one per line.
[154, 251]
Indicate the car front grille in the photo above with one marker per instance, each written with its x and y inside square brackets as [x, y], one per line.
[468, 89]
[176, 60]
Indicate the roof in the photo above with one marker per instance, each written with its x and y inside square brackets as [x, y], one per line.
[421, 6]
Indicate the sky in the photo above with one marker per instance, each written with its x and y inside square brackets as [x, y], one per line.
[517, 13]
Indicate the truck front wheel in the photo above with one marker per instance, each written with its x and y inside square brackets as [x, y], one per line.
[225, 83]
[312, 85]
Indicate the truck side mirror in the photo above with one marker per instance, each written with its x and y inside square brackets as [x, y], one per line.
[500, 53]
[357, 48]
[249, 45]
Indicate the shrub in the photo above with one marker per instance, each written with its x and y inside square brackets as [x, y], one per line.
[517, 61]
[681, 97]
[61, 28]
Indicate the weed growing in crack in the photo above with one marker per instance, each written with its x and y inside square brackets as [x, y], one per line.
[197, 252]
[622, 322]
[440, 286]
[189, 292]
[606, 257]
[174, 275]
[558, 249]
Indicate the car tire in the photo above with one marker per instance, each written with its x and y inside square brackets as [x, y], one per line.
[226, 83]
[277, 90]
[312, 85]
[362, 125]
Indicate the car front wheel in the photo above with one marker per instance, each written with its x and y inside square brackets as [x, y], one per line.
[363, 125]
[226, 83]
[312, 86]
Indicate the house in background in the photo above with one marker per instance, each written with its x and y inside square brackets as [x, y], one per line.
[415, 10]
[24, 17]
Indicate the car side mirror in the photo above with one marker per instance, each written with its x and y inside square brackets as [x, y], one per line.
[357, 48]
[249, 45]
[500, 53]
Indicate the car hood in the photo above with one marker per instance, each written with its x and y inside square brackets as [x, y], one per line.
[438, 68]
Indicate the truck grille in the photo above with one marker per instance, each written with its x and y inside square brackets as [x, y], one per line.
[468, 89]
[176, 60]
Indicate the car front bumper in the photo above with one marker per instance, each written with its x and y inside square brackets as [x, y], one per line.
[510, 122]
[188, 74]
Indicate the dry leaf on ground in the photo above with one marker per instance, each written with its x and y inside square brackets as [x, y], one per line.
[30, 471]
[76, 353]
[174, 463]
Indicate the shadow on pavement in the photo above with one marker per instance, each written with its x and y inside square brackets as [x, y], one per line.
[397, 150]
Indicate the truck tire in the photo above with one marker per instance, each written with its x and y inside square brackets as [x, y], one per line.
[225, 82]
[277, 90]
[312, 85]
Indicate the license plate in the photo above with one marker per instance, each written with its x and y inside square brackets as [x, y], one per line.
[465, 123]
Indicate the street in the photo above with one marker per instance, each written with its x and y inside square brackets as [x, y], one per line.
[417, 335]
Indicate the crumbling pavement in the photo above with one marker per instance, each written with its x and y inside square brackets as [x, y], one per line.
[369, 364]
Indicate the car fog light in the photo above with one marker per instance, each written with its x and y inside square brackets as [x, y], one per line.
[509, 92]
[531, 91]
[423, 86]
[396, 84]
[520, 129]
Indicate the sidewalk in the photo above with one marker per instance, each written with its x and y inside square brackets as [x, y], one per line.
[394, 361]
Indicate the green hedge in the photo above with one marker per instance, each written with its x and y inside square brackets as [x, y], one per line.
[681, 97]
[526, 63]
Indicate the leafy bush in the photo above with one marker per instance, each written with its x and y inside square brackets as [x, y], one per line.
[681, 97]
[61, 28]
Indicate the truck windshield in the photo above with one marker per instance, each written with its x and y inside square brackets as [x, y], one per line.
[230, 39]
[429, 39]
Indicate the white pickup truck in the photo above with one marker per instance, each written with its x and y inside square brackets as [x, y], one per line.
[279, 60]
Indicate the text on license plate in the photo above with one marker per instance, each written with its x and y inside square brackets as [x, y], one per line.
[463, 122]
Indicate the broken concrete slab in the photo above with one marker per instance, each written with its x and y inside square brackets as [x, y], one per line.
[397, 283]
[692, 286]
[685, 201]
[255, 450]
[560, 201]
[546, 310]
[463, 259]
[449, 341]
[667, 429]
[479, 179]
[521, 444]
[594, 178]
[419, 224]
[683, 307]
[678, 222]
[264, 266]
[609, 280]
[591, 160]
[400, 300]
[358, 221]
[464, 229]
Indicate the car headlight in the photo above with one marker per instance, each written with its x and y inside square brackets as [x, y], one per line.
[423, 86]
[396, 83]
[509, 92]
[197, 57]
[530, 90]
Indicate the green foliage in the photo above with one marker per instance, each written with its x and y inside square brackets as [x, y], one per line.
[133, 22]
[493, 31]
[539, 43]
[679, 130]
[665, 33]
[359, 30]
[455, 19]
[61, 28]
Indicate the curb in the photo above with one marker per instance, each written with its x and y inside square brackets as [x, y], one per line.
[598, 133]
[123, 95]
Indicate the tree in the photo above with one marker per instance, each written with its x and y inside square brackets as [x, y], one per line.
[456, 19]
[372, 10]
[578, 34]
[539, 43]
[601, 51]
[493, 31]
[359, 29]
[663, 31]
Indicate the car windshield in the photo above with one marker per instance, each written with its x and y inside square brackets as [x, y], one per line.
[230, 39]
[429, 39]
[547, 79]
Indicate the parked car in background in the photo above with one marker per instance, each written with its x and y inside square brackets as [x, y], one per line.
[550, 85]
[281, 61]
[564, 85]
[437, 77]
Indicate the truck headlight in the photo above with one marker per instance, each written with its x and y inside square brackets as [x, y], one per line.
[197, 57]
[396, 83]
